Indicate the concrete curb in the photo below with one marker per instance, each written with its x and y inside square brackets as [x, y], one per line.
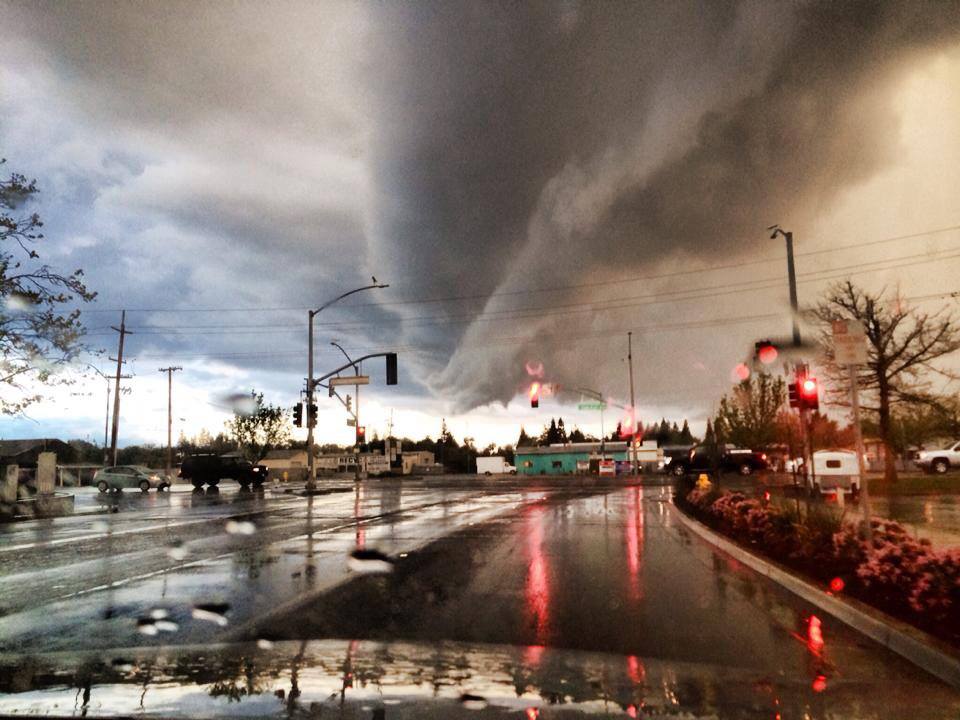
[920, 648]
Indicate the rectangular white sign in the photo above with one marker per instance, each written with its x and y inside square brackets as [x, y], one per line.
[849, 343]
[349, 380]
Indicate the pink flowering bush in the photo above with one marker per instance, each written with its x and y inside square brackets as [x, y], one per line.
[899, 574]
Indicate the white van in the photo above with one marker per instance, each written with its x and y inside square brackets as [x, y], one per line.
[834, 470]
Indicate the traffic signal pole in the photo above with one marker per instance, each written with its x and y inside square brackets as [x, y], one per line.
[311, 466]
[311, 416]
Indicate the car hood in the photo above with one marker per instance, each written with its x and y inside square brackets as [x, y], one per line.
[372, 679]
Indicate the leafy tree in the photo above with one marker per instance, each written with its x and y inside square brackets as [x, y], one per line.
[507, 452]
[904, 345]
[265, 428]
[709, 435]
[746, 417]
[38, 335]
[577, 436]
[524, 440]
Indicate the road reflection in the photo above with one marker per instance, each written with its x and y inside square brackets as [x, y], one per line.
[376, 679]
[537, 589]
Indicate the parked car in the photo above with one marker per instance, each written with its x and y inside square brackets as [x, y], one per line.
[726, 458]
[210, 469]
[130, 476]
[939, 461]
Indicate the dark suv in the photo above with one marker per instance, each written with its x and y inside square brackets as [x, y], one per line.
[724, 458]
[210, 469]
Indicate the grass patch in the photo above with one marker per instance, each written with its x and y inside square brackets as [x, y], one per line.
[916, 484]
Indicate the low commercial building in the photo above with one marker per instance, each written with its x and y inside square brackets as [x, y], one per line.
[416, 458]
[569, 458]
[285, 464]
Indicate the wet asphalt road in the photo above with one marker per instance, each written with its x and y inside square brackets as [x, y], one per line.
[588, 569]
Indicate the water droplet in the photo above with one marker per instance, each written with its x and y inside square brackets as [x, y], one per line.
[264, 644]
[99, 526]
[241, 527]
[369, 561]
[166, 626]
[211, 612]
[158, 614]
[177, 550]
[146, 626]
[241, 403]
[21, 301]
[473, 702]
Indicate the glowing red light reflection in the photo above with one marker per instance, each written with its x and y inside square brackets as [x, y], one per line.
[815, 634]
[767, 354]
[837, 585]
[537, 590]
[631, 711]
[819, 683]
[533, 713]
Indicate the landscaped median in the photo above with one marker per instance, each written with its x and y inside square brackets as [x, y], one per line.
[902, 576]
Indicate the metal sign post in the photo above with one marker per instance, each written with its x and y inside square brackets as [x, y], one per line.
[850, 349]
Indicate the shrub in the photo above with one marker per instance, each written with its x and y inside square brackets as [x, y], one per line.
[899, 574]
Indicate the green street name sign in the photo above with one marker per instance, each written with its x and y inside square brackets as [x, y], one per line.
[592, 406]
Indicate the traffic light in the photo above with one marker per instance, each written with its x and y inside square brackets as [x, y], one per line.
[361, 434]
[534, 394]
[391, 368]
[794, 394]
[298, 414]
[311, 415]
[765, 351]
[809, 390]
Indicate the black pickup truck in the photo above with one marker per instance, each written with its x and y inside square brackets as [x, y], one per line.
[725, 458]
[210, 469]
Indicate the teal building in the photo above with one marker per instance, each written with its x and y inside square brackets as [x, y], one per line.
[568, 459]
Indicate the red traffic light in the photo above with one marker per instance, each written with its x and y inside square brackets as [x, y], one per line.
[809, 386]
[534, 394]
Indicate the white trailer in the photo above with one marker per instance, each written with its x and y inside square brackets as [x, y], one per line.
[494, 466]
[834, 471]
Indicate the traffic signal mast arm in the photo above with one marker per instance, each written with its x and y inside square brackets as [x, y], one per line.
[359, 360]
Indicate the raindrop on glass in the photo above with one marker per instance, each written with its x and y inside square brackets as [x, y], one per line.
[99, 526]
[211, 612]
[264, 644]
[369, 561]
[473, 702]
[177, 550]
[146, 626]
[166, 626]
[241, 527]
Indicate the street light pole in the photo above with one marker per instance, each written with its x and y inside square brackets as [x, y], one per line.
[794, 307]
[633, 409]
[311, 419]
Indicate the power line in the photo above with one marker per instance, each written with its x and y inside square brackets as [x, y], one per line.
[557, 288]
[567, 308]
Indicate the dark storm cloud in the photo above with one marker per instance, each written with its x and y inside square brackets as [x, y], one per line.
[274, 152]
[525, 150]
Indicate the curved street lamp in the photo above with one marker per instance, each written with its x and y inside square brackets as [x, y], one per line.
[311, 420]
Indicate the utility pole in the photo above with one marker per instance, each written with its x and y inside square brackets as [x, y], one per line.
[116, 388]
[633, 408]
[170, 371]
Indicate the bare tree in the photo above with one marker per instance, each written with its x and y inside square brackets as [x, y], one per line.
[904, 345]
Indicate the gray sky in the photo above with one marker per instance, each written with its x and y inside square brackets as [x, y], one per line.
[533, 180]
